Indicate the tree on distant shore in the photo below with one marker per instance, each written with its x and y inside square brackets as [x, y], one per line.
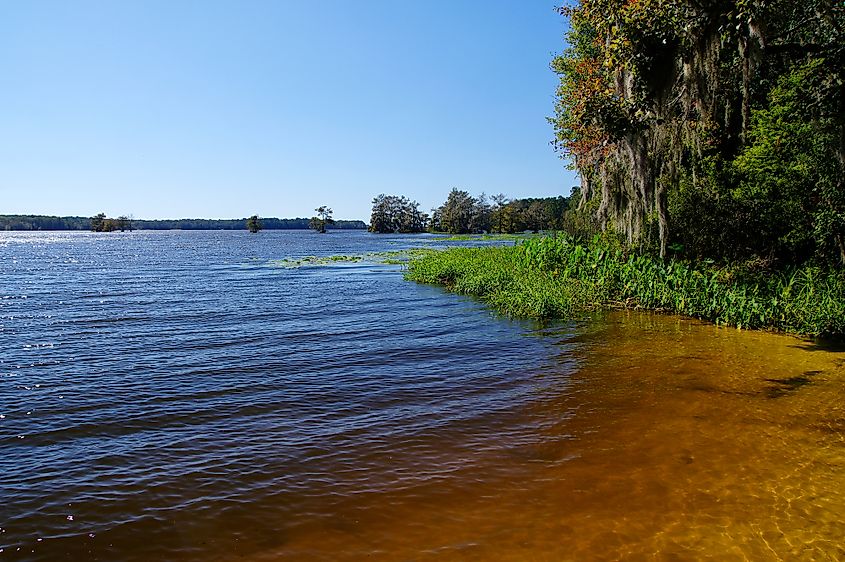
[392, 213]
[98, 222]
[123, 223]
[463, 214]
[253, 224]
[101, 223]
[323, 218]
[457, 213]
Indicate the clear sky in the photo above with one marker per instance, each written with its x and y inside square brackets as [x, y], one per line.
[202, 108]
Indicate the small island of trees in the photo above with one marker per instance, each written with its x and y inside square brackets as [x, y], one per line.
[322, 220]
[101, 223]
[253, 224]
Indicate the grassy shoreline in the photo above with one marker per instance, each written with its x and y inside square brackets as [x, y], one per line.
[558, 277]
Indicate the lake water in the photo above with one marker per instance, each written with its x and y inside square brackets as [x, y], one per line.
[191, 396]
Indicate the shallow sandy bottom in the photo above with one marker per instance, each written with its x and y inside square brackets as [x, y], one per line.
[676, 440]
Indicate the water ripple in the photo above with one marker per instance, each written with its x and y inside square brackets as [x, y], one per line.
[167, 383]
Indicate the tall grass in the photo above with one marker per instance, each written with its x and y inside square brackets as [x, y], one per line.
[557, 277]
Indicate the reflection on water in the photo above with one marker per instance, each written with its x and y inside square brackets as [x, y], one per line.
[176, 396]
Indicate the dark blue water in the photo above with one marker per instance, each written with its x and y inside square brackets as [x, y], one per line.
[183, 395]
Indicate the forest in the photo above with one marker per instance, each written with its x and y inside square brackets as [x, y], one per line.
[710, 130]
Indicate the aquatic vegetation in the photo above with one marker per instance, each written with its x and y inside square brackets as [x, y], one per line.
[559, 277]
[314, 261]
[394, 257]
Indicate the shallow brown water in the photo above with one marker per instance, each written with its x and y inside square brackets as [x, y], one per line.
[676, 440]
[185, 396]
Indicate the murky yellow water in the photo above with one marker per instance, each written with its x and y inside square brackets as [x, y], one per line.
[677, 440]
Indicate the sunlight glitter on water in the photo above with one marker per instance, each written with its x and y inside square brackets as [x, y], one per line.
[181, 400]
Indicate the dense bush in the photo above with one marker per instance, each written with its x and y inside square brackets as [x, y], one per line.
[716, 128]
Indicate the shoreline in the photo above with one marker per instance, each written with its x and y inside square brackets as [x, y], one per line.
[559, 278]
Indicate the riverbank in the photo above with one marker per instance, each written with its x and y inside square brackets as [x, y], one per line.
[559, 278]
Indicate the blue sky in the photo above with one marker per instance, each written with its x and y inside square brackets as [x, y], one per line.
[168, 109]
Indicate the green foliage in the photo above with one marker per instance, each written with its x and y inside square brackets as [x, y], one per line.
[465, 214]
[459, 214]
[534, 214]
[781, 199]
[393, 213]
[124, 223]
[716, 128]
[788, 176]
[558, 277]
[40, 222]
[581, 222]
[253, 224]
[101, 223]
[322, 220]
[98, 222]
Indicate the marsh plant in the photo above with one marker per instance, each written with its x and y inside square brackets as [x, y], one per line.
[560, 277]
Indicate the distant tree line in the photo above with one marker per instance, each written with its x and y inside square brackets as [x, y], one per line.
[462, 213]
[39, 222]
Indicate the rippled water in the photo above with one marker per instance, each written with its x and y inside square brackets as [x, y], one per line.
[181, 395]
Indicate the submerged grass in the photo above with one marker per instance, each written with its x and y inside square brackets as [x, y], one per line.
[291, 263]
[557, 277]
[395, 257]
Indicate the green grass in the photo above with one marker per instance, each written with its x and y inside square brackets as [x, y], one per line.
[546, 277]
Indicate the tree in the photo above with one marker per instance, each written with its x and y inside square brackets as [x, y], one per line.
[253, 224]
[547, 213]
[536, 217]
[665, 108]
[787, 178]
[323, 218]
[101, 223]
[109, 225]
[393, 213]
[123, 223]
[435, 224]
[481, 215]
[98, 222]
[456, 214]
[497, 213]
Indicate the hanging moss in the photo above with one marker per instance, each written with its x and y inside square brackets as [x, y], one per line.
[652, 92]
